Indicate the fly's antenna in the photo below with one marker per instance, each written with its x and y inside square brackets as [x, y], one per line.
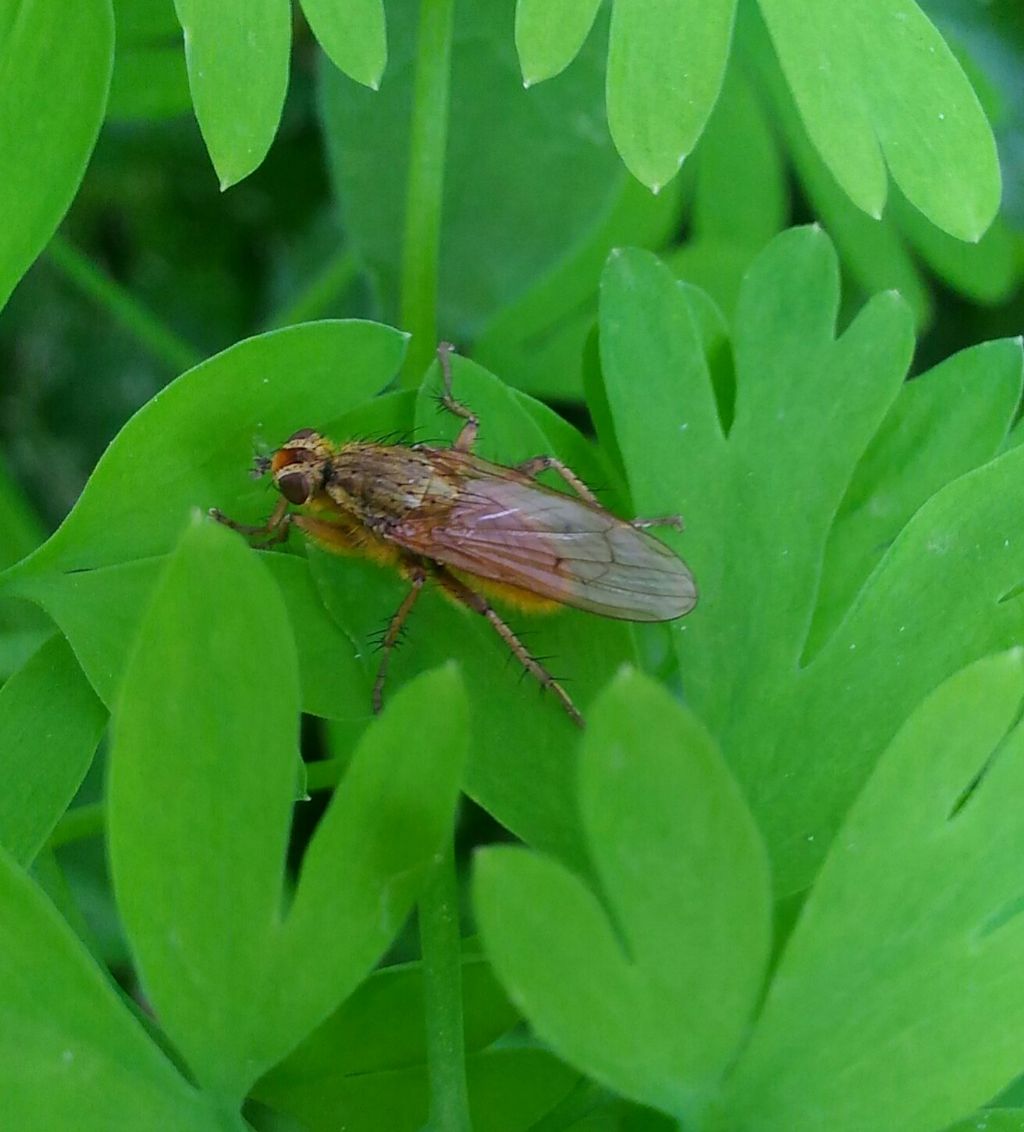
[260, 466]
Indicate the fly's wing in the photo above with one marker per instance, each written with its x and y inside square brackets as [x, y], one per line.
[513, 530]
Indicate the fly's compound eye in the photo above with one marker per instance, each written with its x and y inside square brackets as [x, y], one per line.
[296, 487]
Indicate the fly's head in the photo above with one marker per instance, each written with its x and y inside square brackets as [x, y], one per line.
[299, 466]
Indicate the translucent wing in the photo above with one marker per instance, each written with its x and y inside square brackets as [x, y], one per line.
[504, 526]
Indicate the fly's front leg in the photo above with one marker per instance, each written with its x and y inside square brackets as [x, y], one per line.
[538, 464]
[273, 531]
[391, 634]
[466, 439]
[479, 604]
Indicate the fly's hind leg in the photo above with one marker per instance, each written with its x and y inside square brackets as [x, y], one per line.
[479, 604]
[466, 439]
[391, 635]
[273, 531]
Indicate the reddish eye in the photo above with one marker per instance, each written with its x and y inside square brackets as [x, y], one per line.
[296, 487]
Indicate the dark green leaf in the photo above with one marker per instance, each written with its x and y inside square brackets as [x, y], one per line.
[50, 723]
[46, 137]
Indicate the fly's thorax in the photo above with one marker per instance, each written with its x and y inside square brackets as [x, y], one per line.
[384, 482]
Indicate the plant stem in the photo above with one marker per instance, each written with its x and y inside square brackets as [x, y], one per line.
[325, 288]
[442, 994]
[428, 137]
[107, 293]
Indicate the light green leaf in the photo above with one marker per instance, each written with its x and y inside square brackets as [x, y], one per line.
[904, 969]
[50, 723]
[237, 56]
[202, 769]
[877, 87]
[666, 59]
[47, 50]
[71, 1055]
[353, 34]
[652, 995]
[550, 35]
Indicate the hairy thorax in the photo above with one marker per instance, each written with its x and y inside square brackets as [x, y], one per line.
[381, 484]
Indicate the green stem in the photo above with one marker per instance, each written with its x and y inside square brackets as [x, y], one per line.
[136, 318]
[425, 186]
[442, 994]
[321, 292]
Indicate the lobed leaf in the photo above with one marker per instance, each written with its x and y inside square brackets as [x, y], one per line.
[652, 993]
[202, 766]
[877, 87]
[904, 968]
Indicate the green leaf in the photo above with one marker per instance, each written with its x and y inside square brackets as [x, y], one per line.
[522, 192]
[45, 136]
[202, 768]
[651, 996]
[368, 859]
[943, 423]
[799, 391]
[536, 341]
[549, 36]
[877, 87]
[946, 593]
[666, 59]
[237, 56]
[904, 968]
[50, 723]
[992, 1120]
[192, 444]
[353, 34]
[71, 1055]
[509, 1091]
[380, 1028]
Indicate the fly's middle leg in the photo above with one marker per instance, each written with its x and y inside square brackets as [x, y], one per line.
[466, 439]
[538, 464]
[479, 604]
[675, 521]
[391, 635]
